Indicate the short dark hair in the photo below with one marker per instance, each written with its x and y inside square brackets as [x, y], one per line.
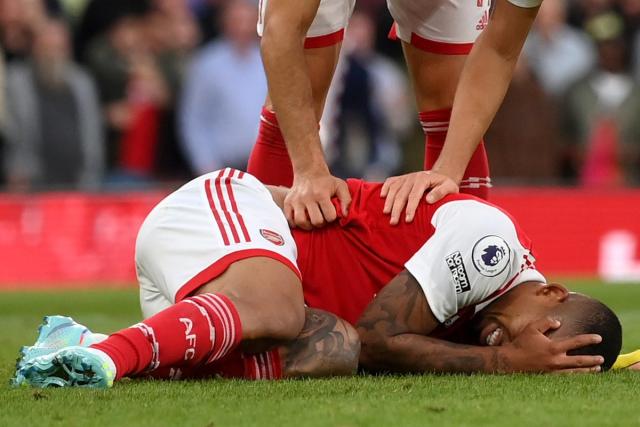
[581, 314]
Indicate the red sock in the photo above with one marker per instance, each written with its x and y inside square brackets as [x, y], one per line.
[195, 331]
[476, 180]
[261, 366]
[269, 161]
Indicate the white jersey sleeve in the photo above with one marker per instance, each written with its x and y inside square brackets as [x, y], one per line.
[526, 3]
[474, 255]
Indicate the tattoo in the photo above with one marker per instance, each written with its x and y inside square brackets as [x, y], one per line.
[394, 330]
[327, 346]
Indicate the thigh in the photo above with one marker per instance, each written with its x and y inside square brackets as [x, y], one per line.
[437, 35]
[434, 77]
[268, 297]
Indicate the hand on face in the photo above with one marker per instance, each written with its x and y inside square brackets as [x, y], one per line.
[408, 190]
[308, 203]
[532, 350]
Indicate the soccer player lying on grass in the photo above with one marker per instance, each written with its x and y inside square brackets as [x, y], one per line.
[216, 264]
[462, 256]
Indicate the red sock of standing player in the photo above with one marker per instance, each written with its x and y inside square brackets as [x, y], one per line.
[195, 331]
[476, 180]
[269, 160]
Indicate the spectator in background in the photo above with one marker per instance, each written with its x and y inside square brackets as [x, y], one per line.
[601, 113]
[54, 131]
[557, 53]
[99, 16]
[223, 93]
[172, 33]
[19, 19]
[134, 93]
[368, 108]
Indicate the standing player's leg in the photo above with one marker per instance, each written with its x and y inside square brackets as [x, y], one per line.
[269, 161]
[436, 39]
[435, 77]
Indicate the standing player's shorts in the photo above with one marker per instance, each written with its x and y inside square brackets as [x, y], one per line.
[328, 26]
[446, 27]
[197, 232]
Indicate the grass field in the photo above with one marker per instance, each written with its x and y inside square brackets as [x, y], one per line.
[610, 399]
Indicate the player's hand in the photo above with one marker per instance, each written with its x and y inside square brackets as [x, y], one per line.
[408, 190]
[308, 203]
[533, 351]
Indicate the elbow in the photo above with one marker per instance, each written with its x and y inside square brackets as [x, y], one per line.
[375, 349]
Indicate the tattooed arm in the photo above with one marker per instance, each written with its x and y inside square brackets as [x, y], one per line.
[394, 328]
[327, 346]
[393, 331]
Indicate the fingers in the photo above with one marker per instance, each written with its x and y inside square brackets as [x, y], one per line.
[328, 210]
[576, 342]
[441, 190]
[386, 186]
[315, 215]
[342, 191]
[400, 201]
[415, 196]
[545, 324]
[592, 369]
[392, 190]
[300, 217]
[289, 212]
[579, 362]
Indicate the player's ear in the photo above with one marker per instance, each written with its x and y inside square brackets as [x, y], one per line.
[553, 291]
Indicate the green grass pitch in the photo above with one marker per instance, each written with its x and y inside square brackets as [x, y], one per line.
[611, 399]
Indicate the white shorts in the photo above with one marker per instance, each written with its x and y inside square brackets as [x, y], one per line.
[194, 234]
[446, 27]
[328, 26]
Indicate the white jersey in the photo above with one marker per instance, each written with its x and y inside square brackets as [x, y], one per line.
[194, 234]
[328, 26]
[475, 255]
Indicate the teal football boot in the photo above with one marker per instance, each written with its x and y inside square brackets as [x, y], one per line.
[68, 367]
[55, 333]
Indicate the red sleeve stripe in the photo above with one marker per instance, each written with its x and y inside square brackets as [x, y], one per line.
[214, 210]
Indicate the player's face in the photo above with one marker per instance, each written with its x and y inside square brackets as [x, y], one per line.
[504, 319]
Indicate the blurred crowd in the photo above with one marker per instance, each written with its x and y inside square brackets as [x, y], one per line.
[113, 94]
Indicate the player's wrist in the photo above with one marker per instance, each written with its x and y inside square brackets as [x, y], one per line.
[451, 172]
[311, 168]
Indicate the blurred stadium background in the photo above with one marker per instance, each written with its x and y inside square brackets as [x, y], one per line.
[106, 105]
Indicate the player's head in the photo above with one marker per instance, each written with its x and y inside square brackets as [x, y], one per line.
[504, 319]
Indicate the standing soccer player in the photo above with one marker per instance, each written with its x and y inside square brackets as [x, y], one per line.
[459, 84]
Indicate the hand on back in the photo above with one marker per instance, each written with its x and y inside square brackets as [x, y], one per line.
[308, 203]
[406, 191]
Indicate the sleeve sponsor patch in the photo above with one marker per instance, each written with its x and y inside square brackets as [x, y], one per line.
[458, 272]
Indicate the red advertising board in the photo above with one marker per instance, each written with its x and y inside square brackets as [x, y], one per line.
[71, 239]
